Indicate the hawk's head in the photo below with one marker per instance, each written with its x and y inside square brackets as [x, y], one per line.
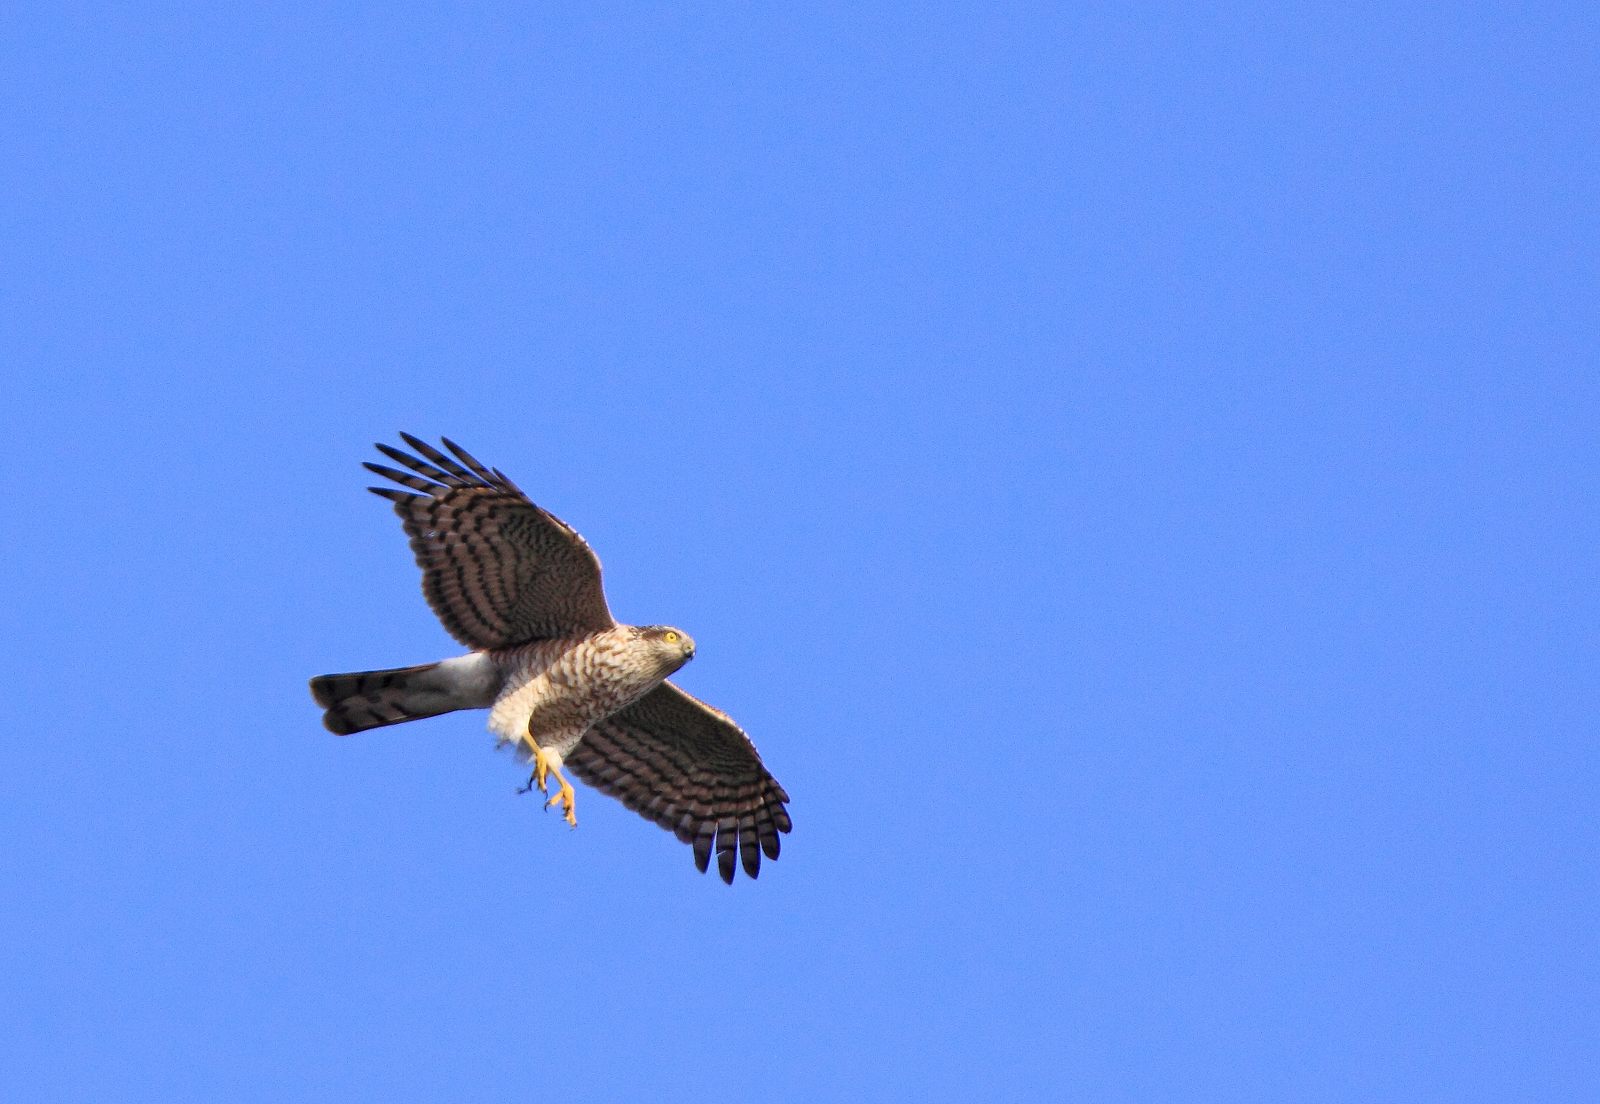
[670, 647]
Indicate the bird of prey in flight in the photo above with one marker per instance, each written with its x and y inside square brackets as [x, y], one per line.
[564, 683]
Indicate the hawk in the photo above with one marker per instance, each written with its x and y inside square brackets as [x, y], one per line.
[565, 685]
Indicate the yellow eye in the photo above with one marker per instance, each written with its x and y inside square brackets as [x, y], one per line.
[671, 638]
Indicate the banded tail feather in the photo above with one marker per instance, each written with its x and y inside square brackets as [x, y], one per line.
[360, 700]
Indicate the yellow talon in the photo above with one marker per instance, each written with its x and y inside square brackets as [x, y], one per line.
[565, 798]
[541, 767]
[544, 765]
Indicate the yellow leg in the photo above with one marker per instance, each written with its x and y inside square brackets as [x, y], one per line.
[565, 798]
[542, 765]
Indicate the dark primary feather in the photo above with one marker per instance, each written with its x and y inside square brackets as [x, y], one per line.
[496, 569]
[684, 765]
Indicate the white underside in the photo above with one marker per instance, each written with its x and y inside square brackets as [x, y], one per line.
[562, 687]
[525, 692]
[473, 676]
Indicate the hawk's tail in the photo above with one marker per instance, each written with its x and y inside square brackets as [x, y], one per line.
[371, 699]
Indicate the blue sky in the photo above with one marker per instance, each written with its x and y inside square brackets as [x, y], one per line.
[1130, 468]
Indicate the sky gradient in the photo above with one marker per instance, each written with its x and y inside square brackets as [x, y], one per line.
[1131, 469]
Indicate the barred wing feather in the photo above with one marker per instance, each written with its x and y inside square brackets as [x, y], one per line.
[675, 760]
[496, 569]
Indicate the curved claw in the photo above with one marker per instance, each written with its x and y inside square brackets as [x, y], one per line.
[566, 798]
[544, 765]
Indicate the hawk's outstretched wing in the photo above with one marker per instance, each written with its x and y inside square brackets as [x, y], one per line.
[497, 569]
[675, 760]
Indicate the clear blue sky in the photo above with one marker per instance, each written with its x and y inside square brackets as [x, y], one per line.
[1131, 468]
